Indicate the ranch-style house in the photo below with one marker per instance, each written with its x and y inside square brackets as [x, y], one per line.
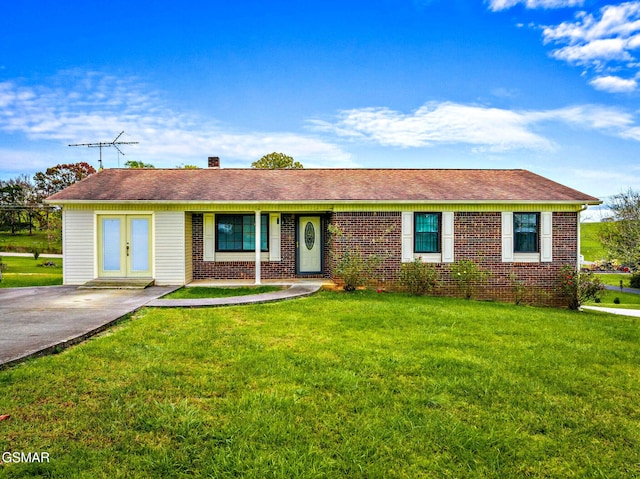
[174, 226]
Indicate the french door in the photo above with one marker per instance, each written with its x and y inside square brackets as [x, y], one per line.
[124, 246]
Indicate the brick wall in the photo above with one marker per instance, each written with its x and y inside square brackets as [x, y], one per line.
[285, 268]
[373, 233]
[477, 237]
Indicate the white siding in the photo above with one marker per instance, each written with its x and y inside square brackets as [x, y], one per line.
[169, 252]
[78, 246]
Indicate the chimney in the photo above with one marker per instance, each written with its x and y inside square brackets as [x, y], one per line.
[214, 162]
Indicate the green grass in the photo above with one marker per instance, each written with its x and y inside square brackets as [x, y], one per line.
[22, 272]
[335, 385]
[590, 246]
[614, 279]
[22, 242]
[219, 292]
[627, 300]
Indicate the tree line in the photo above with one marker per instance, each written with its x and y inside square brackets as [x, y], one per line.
[22, 198]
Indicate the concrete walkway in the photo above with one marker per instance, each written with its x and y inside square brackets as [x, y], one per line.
[295, 291]
[620, 311]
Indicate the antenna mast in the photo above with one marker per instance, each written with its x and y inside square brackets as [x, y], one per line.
[106, 144]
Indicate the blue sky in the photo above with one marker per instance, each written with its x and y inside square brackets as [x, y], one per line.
[547, 85]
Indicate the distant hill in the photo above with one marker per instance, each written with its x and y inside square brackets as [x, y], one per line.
[590, 246]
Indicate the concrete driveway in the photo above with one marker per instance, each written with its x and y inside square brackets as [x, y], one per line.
[39, 320]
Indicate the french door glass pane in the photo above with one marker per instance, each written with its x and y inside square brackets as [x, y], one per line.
[139, 245]
[111, 244]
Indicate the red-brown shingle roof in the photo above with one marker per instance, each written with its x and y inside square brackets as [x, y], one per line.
[308, 185]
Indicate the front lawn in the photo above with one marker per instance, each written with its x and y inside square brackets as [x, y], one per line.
[21, 272]
[195, 292]
[335, 385]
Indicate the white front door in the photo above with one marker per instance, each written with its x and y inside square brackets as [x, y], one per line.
[124, 246]
[309, 244]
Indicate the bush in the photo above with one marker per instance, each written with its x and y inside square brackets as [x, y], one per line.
[579, 287]
[616, 300]
[519, 288]
[354, 269]
[417, 277]
[36, 253]
[635, 280]
[468, 275]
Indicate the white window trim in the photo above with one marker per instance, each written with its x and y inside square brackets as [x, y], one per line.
[545, 231]
[209, 242]
[446, 240]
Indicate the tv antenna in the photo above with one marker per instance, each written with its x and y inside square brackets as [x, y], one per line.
[106, 144]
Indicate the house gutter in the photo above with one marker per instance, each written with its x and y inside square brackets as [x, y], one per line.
[321, 202]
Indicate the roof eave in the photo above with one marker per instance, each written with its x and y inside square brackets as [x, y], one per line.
[592, 202]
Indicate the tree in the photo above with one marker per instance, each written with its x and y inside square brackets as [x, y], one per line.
[138, 164]
[54, 179]
[621, 238]
[274, 161]
[13, 205]
[58, 177]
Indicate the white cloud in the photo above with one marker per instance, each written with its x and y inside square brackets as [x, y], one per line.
[497, 5]
[604, 42]
[485, 128]
[614, 84]
[608, 120]
[601, 42]
[433, 123]
[88, 108]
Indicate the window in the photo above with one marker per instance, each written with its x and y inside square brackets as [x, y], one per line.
[427, 232]
[525, 230]
[238, 232]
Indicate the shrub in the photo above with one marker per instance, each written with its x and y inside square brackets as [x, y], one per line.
[616, 300]
[354, 269]
[579, 287]
[519, 288]
[36, 253]
[635, 280]
[417, 277]
[468, 275]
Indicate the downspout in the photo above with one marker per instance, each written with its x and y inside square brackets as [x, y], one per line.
[578, 265]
